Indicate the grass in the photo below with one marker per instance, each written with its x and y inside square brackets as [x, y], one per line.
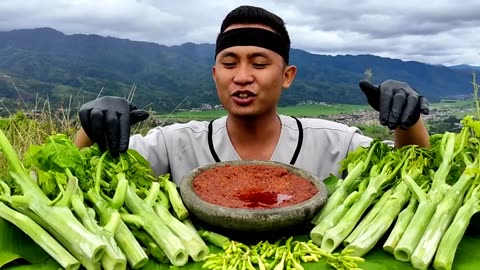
[24, 129]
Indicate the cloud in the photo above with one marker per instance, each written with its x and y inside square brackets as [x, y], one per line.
[437, 32]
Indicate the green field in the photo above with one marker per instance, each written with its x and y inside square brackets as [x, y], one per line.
[456, 107]
[447, 104]
[300, 111]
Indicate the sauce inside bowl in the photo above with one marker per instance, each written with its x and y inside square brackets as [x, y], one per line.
[252, 186]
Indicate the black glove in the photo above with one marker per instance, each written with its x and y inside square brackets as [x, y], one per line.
[399, 105]
[107, 122]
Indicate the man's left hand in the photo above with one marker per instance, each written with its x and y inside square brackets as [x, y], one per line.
[399, 105]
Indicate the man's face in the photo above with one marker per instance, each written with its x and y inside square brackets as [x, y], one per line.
[250, 79]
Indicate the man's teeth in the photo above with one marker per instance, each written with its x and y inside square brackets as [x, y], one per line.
[243, 95]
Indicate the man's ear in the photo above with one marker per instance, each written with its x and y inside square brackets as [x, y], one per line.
[289, 73]
[213, 73]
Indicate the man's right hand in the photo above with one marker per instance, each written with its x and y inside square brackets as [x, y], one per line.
[107, 121]
[399, 104]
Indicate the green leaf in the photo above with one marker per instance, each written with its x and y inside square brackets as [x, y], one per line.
[57, 154]
[353, 157]
[331, 183]
[50, 264]
[16, 246]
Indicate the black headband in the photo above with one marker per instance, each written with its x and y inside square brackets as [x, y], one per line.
[250, 36]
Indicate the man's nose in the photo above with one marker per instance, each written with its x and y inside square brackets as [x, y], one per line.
[243, 75]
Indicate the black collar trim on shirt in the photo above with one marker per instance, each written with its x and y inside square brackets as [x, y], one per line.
[295, 154]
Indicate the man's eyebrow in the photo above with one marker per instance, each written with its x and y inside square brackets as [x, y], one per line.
[250, 56]
[258, 54]
[228, 54]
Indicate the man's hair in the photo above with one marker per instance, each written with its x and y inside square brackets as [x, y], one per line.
[256, 15]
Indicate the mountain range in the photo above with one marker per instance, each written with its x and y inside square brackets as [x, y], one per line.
[43, 64]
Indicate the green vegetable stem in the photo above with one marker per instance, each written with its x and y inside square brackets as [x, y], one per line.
[39, 236]
[156, 228]
[452, 237]
[383, 174]
[59, 220]
[427, 202]
[108, 211]
[359, 162]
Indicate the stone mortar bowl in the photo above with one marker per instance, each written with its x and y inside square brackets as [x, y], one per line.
[252, 220]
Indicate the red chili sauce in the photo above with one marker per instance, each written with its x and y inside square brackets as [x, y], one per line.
[252, 186]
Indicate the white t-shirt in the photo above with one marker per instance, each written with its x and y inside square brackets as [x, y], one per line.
[180, 148]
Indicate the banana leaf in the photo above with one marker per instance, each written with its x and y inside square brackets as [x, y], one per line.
[18, 248]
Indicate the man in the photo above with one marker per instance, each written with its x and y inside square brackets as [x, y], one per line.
[251, 70]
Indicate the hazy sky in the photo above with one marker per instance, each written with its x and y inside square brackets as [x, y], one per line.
[435, 32]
